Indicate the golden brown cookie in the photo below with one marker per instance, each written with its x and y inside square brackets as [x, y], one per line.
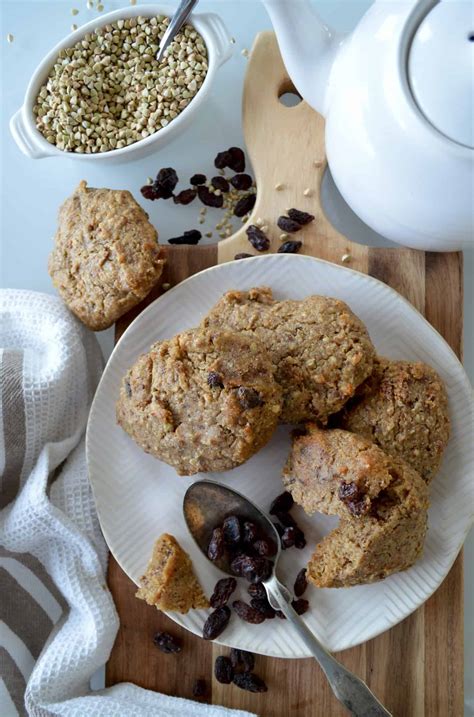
[202, 401]
[321, 350]
[106, 257]
[382, 503]
[403, 408]
[169, 582]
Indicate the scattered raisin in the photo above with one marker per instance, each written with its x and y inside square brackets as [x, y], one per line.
[282, 503]
[197, 179]
[210, 199]
[300, 540]
[290, 247]
[300, 606]
[242, 182]
[222, 592]
[185, 197]
[250, 682]
[288, 225]
[216, 545]
[279, 529]
[286, 519]
[288, 538]
[245, 205]
[257, 238]
[263, 606]
[223, 670]
[249, 532]
[193, 236]
[300, 217]
[266, 548]
[243, 255]
[256, 570]
[165, 182]
[257, 590]
[300, 583]
[237, 159]
[248, 613]
[167, 643]
[200, 688]
[231, 528]
[222, 159]
[248, 397]
[214, 380]
[220, 183]
[242, 660]
[216, 623]
[149, 192]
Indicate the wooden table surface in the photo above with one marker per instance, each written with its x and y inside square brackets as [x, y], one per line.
[416, 668]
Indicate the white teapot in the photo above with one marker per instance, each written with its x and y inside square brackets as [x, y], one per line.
[398, 98]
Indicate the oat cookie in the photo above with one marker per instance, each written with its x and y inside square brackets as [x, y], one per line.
[202, 401]
[106, 257]
[169, 582]
[403, 408]
[321, 350]
[382, 503]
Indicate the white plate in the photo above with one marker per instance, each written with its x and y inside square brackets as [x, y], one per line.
[139, 497]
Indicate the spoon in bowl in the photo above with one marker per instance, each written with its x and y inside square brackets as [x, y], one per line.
[206, 504]
[182, 13]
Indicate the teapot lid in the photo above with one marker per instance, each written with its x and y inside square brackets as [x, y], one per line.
[441, 69]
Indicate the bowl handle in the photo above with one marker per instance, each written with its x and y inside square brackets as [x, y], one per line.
[22, 137]
[222, 37]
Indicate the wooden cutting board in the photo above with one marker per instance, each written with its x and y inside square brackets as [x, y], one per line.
[416, 668]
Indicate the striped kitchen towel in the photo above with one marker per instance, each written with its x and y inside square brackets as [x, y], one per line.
[57, 618]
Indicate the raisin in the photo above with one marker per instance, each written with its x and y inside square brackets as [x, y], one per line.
[266, 548]
[263, 606]
[149, 192]
[348, 491]
[358, 508]
[286, 519]
[214, 380]
[249, 532]
[300, 606]
[167, 643]
[237, 564]
[288, 538]
[300, 217]
[200, 688]
[257, 238]
[237, 162]
[197, 179]
[300, 540]
[242, 182]
[282, 503]
[256, 570]
[193, 236]
[245, 205]
[248, 398]
[300, 583]
[222, 592]
[353, 497]
[243, 255]
[248, 613]
[185, 197]
[257, 590]
[288, 225]
[242, 660]
[128, 388]
[222, 159]
[165, 182]
[216, 623]
[223, 670]
[220, 183]
[210, 199]
[250, 682]
[231, 528]
[279, 529]
[290, 247]
[216, 545]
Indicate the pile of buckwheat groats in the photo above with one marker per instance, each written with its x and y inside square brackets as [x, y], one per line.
[108, 91]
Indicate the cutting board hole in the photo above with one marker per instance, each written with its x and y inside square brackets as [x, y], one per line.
[290, 97]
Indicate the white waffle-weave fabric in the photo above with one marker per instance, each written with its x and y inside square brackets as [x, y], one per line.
[57, 621]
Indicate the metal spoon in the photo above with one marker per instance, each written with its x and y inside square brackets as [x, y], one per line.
[177, 21]
[205, 506]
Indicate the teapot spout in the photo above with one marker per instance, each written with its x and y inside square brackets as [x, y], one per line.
[308, 48]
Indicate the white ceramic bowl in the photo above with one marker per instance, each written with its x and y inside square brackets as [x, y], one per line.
[32, 143]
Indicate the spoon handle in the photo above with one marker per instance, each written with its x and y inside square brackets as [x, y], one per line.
[177, 21]
[349, 689]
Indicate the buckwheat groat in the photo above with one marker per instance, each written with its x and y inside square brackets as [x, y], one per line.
[169, 582]
[321, 350]
[381, 500]
[403, 408]
[106, 257]
[202, 401]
